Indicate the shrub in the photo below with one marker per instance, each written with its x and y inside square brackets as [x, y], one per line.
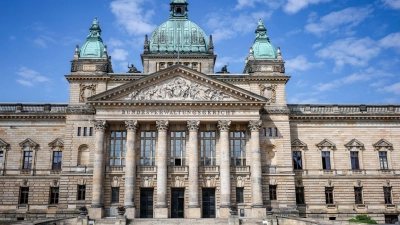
[363, 219]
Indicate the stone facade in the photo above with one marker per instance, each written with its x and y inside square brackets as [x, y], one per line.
[191, 143]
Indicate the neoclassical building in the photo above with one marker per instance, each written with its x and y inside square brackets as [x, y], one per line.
[181, 141]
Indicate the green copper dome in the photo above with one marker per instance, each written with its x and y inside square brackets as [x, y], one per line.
[178, 33]
[262, 47]
[93, 47]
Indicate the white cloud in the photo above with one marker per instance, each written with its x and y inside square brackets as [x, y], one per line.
[132, 16]
[293, 32]
[351, 51]
[293, 6]
[119, 54]
[300, 63]
[227, 59]
[300, 100]
[12, 38]
[394, 88]
[226, 26]
[113, 42]
[390, 41]
[30, 77]
[43, 41]
[394, 4]
[348, 17]
[251, 3]
[317, 45]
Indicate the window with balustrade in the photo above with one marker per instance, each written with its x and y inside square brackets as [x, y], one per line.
[207, 148]
[178, 148]
[147, 148]
[238, 148]
[117, 148]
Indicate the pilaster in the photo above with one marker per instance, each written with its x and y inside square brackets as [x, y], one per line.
[225, 201]
[161, 210]
[194, 210]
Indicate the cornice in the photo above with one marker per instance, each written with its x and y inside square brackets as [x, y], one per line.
[19, 116]
[86, 77]
[124, 103]
[345, 117]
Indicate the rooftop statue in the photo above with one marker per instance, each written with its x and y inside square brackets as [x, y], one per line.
[133, 69]
[224, 69]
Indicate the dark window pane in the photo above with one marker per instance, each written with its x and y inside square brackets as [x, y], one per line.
[54, 195]
[239, 195]
[79, 131]
[358, 195]
[387, 191]
[81, 192]
[329, 195]
[300, 195]
[115, 195]
[23, 195]
[272, 192]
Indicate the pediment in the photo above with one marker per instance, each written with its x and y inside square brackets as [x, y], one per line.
[56, 143]
[383, 144]
[354, 144]
[326, 144]
[28, 144]
[298, 143]
[177, 83]
[4, 145]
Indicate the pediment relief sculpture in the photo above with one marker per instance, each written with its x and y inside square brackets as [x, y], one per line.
[240, 180]
[4, 145]
[147, 181]
[354, 145]
[179, 89]
[57, 143]
[297, 144]
[209, 181]
[28, 145]
[326, 145]
[178, 181]
[115, 182]
[383, 145]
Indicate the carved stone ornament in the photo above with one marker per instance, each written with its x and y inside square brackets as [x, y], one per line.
[299, 183]
[86, 91]
[255, 125]
[57, 143]
[358, 183]
[76, 67]
[326, 145]
[115, 182]
[100, 125]
[268, 92]
[273, 182]
[131, 125]
[330, 184]
[162, 125]
[178, 181]
[82, 181]
[193, 125]
[54, 183]
[354, 145]
[178, 89]
[24, 183]
[224, 125]
[387, 184]
[4, 146]
[28, 145]
[147, 181]
[383, 145]
[209, 181]
[80, 109]
[296, 143]
[240, 181]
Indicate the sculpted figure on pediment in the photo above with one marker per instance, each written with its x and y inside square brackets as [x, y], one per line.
[178, 89]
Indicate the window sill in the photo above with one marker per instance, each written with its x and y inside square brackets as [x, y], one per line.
[390, 206]
[331, 206]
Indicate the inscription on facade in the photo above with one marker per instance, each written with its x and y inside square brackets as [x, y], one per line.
[178, 112]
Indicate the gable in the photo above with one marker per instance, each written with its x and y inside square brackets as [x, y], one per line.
[354, 144]
[383, 144]
[326, 144]
[177, 83]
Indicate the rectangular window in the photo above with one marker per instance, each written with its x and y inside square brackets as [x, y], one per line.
[264, 132]
[326, 160]
[28, 156]
[239, 195]
[383, 160]
[23, 195]
[54, 195]
[79, 131]
[117, 148]
[269, 132]
[91, 131]
[355, 165]
[387, 191]
[178, 148]
[84, 131]
[1, 159]
[297, 161]
[57, 159]
[238, 148]
[329, 195]
[358, 195]
[115, 195]
[81, 192]
[300, 195]
[207, 148]
[276, 133]
[272, 192]
[147, 148]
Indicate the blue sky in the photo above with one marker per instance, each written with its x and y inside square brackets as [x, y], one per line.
[336, 51]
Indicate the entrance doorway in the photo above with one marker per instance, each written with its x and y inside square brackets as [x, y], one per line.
[146, 203]
[391, 219]
[208, 202]
[177, 202]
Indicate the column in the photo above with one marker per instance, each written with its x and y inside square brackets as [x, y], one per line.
[96, 211]
[161, 210]
[130, 168]
[194, 210]
[258, 210]
[225, 173]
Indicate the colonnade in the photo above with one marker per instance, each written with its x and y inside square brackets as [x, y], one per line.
[161, 210]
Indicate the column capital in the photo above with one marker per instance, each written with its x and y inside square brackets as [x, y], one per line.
[100, 125]
[162, 125]
[255, 125]
[131, 125]
[193, 125]
[224, 125]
